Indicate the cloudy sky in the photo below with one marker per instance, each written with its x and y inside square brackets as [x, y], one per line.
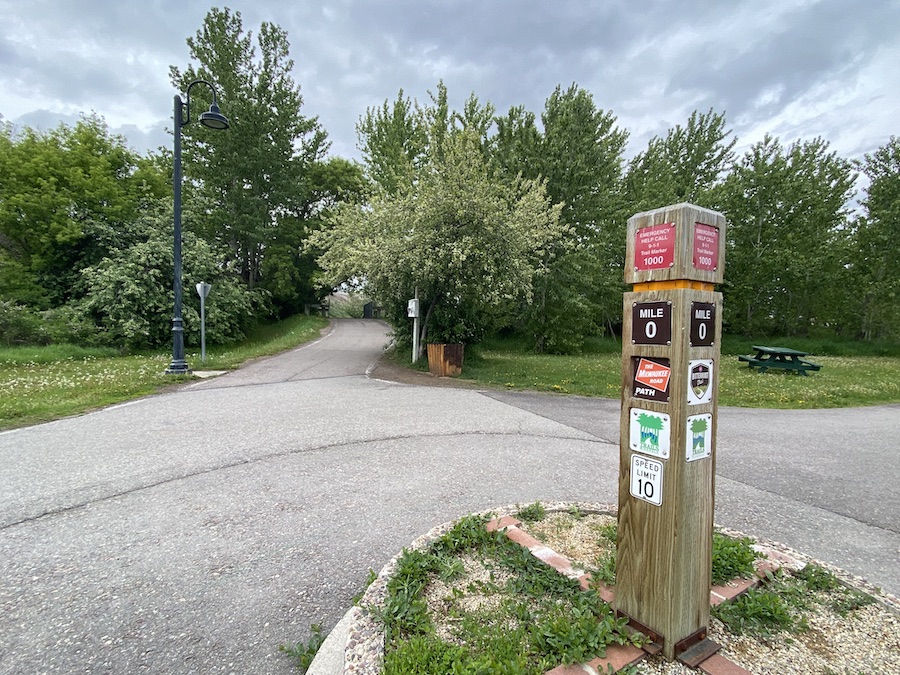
[795, 69]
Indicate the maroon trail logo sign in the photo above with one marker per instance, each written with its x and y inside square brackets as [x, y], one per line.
[651, 379]
[700, 381]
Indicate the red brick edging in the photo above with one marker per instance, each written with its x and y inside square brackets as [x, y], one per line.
[620, 656]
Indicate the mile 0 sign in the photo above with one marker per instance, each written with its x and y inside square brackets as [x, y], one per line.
[651, 323]
[703, 324]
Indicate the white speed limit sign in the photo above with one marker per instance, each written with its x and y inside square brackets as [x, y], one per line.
[646, 479]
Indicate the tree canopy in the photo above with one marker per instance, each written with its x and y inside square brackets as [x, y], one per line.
[579, 153]
[875, 248]
[468, 243]
[262, 179]
[68, 197]
[509, 222]
[788, 222]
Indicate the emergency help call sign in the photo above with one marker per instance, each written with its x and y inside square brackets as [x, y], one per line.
[706, 247]
[654, 247]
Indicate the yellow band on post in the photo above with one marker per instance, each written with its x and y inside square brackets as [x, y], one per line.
[673, 284]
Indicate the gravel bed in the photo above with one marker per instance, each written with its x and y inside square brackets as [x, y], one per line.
[868, 640]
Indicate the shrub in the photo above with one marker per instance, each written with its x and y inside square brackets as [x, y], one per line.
[19, 325]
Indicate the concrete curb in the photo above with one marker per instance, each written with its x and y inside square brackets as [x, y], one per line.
[329, 660]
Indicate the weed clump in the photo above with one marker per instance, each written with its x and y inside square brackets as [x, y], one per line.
[535, 618]
[731, 558]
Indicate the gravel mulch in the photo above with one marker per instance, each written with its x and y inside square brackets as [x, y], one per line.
[865, 641]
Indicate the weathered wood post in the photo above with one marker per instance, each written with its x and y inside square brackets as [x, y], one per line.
[667, 455]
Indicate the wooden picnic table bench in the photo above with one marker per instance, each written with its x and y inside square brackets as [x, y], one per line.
[789, 360]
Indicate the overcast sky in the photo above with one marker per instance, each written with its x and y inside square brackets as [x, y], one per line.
[795, 69]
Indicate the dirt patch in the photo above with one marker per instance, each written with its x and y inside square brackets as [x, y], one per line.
[387, 369]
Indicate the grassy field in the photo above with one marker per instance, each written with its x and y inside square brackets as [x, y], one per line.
[852, 374]
[46, 383]
[38, 384]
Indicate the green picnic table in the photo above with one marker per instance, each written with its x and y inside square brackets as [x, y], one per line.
[781, 358]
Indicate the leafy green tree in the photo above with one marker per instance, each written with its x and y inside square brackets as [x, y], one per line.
[400, 138]
[257, 176]
[392, 139]
[685, 166]
[67, 198]
[129, 293]
[464, 239]
[580, 156]
[788, 222]
[876, 253]
[517, 143]
[289, 266]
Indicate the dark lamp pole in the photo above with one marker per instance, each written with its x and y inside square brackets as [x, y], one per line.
[214, 120]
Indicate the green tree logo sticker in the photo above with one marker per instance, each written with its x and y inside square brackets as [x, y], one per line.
[649, 432]
[698, 443]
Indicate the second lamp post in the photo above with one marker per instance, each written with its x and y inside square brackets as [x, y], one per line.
[214, 120]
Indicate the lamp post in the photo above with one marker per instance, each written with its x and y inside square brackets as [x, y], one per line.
[214, 120]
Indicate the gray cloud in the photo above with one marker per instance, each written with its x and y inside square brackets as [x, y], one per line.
[798, 67]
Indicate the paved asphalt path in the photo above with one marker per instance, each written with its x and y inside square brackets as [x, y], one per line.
[195, 531]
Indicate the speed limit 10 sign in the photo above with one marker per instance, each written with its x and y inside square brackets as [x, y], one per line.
[646, 479]
[651, 323]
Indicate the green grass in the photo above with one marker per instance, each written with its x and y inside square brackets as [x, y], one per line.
[39, 384]
[783, 602]
[303, 653]
[475, 602]
[532, 513]
[10, 356]
[518, 617]
[731, 558]
[868, 376]
[760, 612]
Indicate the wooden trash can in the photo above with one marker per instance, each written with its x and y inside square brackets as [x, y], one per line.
[445, 360]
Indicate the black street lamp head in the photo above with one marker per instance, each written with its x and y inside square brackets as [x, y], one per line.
[213, 118]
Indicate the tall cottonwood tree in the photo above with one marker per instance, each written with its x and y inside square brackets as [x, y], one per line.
[517, 143]
[579, 153]
[787, 239]
[685, 166]
[876, 251]
[398, 138]
[256, 175]
[392, 139]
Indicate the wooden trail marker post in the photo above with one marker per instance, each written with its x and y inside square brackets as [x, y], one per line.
[670, 367]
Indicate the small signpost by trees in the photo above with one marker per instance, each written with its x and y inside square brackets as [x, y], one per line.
[203, 289]
[670, 362]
